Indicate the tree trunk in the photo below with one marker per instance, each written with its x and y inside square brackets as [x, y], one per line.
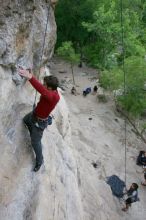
[72, 74]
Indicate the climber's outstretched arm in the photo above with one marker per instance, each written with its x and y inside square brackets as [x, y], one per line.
[25, 73]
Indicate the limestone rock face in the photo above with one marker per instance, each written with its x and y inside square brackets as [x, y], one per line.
[53, 192]
[22, 29]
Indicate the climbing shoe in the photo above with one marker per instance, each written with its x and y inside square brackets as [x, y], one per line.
[37, 167]
[124, 209]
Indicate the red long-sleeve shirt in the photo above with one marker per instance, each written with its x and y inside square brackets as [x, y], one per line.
[48, 99]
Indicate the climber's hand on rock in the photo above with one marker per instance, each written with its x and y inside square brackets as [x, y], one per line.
[42, 70]
[25, 73]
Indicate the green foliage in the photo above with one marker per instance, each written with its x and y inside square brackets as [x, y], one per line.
[134, 98]
[69, 17]
[134, 103]
[112, 80]
[93, 58]
[95, 30]
[67, 52]
[107, 32]
[135, 68]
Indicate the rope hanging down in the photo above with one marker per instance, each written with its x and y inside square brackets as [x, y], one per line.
[124, 82]
[42, 53]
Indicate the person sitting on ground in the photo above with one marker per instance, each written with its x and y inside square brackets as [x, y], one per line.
[86, 91]
[141, 159]
[132, 194]
[73, 91]
[144, 182]
[37, 120]
[95, 89]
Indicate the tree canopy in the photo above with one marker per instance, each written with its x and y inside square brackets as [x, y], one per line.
[113, 44]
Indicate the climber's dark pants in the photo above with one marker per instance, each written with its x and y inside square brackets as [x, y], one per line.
[36, 128]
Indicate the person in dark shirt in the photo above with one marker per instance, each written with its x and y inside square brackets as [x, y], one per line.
[132, 194]
[95, 89]
[73, 91]
[37, 120]
[141, 159]
[144, 182]
[86, 91]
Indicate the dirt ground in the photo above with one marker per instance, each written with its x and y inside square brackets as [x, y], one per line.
[98, 133]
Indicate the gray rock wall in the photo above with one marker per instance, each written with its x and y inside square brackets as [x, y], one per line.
[22, 27]
[22, 31]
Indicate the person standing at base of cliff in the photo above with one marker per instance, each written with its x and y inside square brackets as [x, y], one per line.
[144, 182]
[37, 120]
[132, 194]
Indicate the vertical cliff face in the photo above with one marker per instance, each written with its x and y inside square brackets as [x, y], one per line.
[25, 195]
[22, 27]
[22, 31]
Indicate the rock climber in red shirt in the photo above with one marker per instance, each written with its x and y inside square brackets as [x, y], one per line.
[37, 120]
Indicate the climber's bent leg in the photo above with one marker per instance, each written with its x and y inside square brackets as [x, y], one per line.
[28, 121]
[36, 128]
[36, 136]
